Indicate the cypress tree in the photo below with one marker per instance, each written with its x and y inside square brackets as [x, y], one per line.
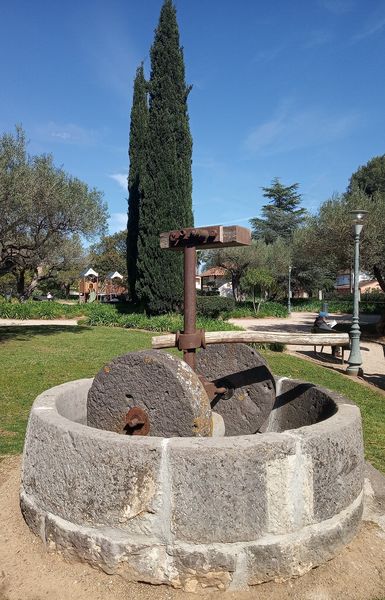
[137, 146]
[167, 183]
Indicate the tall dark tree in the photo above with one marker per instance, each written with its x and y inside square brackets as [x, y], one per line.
[137, 147]
[282, 216]
[167, 184]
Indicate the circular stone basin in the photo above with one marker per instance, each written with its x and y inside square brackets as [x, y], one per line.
[210, 512]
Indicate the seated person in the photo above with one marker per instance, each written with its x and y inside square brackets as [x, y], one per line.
[323, 326]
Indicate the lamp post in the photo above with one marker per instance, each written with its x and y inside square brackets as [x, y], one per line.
[355, 358]
[289, 292]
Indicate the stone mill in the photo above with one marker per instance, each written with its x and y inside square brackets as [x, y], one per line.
[208, 472]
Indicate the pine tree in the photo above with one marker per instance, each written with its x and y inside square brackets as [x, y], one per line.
[138, 133]
[282, 216]
[166, 202]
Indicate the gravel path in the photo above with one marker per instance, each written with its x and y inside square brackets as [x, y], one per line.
[372, 353]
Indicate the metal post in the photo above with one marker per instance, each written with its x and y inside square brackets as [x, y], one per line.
[355, 358]
[289, 293]
[189, 300]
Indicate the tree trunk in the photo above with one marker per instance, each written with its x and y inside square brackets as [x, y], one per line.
[235, 285]
[379, 276]
[20, 282]
[255, 310]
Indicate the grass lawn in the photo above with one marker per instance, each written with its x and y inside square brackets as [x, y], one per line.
[36, 358]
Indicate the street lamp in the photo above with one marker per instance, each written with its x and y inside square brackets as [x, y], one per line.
[289, 293]
[355, 358]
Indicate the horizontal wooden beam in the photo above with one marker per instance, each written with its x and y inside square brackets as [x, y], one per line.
[261, 337]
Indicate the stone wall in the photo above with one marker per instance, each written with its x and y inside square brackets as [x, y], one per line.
[223, 512]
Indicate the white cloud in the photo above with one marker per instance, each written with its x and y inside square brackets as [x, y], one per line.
[318, 38]
[121, 179]
[290, 129]
[117, 222]
[337, 7]
[375, 24]
[68, 133]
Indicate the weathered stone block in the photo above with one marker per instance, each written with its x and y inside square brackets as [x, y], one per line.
[89, 476]
[336, 450]
[218, 488]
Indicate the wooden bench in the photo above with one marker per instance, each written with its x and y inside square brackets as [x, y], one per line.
[316, 331]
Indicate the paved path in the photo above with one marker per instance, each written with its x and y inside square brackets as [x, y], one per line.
[372, 354]
[36, 322]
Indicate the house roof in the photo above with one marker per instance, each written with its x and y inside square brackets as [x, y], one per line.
[89, 271]
[114, 275]
[215, 272]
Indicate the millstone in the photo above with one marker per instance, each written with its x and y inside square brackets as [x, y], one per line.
[239, 367]
[167, 389]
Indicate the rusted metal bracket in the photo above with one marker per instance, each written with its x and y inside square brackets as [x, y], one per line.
[190, 341]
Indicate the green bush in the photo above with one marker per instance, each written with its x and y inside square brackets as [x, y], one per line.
[267, 309]
[336, 306]
[214, 306]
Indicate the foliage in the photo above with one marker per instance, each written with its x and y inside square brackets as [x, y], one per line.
[113, 315]
[167, 182]
[246, 309]
[336, 306]
[214, 306]
[137, 156]
[109, 254]
[282, 216]
[258, 281]
[106, 315]
[42, 209]
[273, 258]
[41, 357]
[328, 239]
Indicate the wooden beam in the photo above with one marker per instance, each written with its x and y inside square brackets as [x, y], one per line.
[261, 337]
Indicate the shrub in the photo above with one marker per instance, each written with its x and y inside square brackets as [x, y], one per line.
[268, 309]
[214, 306]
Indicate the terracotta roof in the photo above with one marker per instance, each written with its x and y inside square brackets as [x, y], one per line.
[215, 272]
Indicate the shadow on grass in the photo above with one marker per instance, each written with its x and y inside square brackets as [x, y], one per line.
[376, 379]
[27, 332]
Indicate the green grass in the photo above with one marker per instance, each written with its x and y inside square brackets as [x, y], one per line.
[36, 358]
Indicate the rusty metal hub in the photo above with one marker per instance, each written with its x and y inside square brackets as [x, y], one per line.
[137, 422]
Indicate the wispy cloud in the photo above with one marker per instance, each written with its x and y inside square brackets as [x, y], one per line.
[318, 38]
[121, 179]
[337, 7]
[68, 133]
[269, 54]
[291, 129]
[374, 25]
[117, 222]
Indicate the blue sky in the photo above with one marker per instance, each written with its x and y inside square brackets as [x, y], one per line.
[289, 89]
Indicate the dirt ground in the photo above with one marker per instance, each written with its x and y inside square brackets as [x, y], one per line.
[27, 572]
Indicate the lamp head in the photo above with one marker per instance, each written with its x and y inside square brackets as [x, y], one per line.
[358, 216]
